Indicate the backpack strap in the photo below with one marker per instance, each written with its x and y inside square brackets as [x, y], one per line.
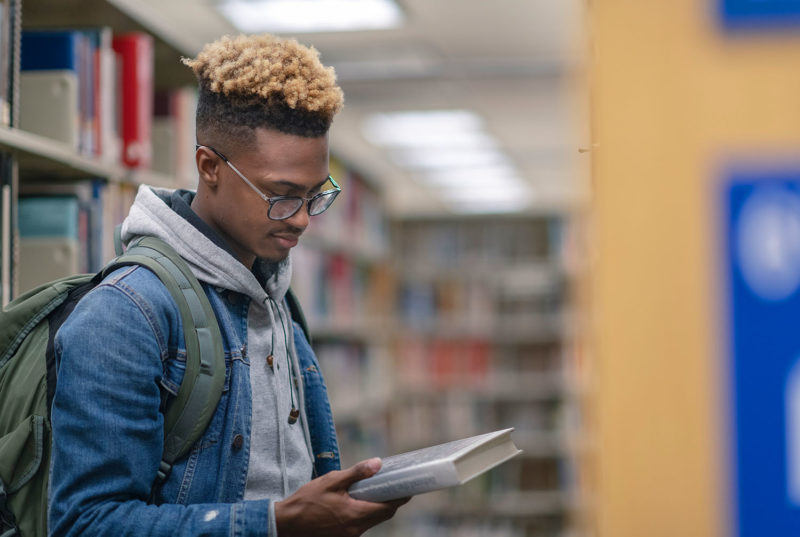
[118, 240]
[188, 415]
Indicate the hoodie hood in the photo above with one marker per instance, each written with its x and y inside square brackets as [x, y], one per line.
[151, 216]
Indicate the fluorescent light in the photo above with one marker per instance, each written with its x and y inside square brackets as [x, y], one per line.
[472, 176]
[439, 128]
[453, 156]
[488, 193]
[294, 16]
[448, 158]
[491, 200]
[494, 207]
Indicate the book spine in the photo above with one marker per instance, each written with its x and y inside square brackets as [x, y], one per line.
[136, 56]
[406, 482]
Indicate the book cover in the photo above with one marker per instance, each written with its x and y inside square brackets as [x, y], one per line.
[173, 135]
[49, 228]
[436, 467]
[47, 50]
[136, 65]
[52, 74]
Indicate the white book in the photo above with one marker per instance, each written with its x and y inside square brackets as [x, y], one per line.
[436, 467]
[49, 105]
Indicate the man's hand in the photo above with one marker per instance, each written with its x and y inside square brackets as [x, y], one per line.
[323, 506]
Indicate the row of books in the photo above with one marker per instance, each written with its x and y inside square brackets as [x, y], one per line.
[94, 91]
[481, 368]
[362, 439]
[358, 376]
[478, 305]
[339, 290]
[432, 364]
[430, 524]
[479, 242]
[67, 228]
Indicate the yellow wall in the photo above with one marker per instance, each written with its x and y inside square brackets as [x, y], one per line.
[671, 95]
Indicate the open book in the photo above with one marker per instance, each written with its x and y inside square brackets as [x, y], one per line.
[436, 467]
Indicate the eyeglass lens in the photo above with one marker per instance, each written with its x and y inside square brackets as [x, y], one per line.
[285, 208]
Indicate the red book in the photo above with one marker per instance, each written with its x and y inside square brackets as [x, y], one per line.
[136, 81]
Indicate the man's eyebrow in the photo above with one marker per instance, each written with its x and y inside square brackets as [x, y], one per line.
[294, 186]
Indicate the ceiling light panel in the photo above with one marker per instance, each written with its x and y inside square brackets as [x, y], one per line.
[301, 16]
[439, 128]
[450, 152]
[448, 158]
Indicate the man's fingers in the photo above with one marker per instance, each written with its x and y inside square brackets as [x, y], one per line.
[359, 471]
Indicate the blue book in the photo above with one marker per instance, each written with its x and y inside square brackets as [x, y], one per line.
[47, 50]
[66, 50]
[48, 216]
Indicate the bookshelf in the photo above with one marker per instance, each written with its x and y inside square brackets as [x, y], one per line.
[40, 162]
[343, 275]
[484, 339]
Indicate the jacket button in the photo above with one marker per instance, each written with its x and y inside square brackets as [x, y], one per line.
[238, 442]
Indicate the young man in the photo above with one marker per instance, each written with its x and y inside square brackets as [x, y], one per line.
[268, 462]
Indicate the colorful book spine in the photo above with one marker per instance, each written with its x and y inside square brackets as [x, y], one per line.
[136, 57]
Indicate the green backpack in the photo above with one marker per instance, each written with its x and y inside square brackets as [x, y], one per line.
[28, 377]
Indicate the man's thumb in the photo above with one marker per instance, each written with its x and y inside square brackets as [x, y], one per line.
[361, 470]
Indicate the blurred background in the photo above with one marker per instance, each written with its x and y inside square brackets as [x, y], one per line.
[580, 219]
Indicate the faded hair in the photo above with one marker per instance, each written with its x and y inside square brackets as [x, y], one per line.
[246, 82]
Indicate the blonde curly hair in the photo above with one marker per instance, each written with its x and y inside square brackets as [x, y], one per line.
[251, 81]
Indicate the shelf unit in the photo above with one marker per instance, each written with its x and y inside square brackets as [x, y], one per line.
[344, 279]
[485, 340]
[35, 164]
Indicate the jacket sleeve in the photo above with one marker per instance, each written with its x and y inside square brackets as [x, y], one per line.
[108, 429]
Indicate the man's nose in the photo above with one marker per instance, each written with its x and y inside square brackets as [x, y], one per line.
[300, 219]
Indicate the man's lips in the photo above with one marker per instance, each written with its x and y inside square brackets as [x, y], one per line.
[287, 240]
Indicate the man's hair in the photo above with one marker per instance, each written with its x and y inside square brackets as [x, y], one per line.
[246, 82]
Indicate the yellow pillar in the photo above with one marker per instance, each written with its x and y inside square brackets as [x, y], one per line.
[672, 95]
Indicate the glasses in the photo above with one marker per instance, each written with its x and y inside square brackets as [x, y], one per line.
[283, 207]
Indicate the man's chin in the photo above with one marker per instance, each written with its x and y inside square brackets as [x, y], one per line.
[274, 256]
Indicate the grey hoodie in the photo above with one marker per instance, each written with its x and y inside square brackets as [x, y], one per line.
[280, 458]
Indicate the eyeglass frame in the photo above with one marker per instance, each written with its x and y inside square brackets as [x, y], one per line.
[272, 200]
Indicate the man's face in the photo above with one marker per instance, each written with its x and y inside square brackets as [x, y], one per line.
[281, 165]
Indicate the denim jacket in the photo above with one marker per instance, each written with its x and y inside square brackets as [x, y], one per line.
[124, 358]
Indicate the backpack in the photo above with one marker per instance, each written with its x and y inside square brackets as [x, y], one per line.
[28, 377]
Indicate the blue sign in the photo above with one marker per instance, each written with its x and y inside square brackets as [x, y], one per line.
[762, 255]
[749, 13]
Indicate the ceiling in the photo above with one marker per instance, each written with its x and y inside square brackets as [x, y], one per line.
[516, 63]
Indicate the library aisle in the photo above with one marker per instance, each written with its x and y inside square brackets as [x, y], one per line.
[579, 219]
[445, 288]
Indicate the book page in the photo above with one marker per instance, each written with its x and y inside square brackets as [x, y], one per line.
[429, 454]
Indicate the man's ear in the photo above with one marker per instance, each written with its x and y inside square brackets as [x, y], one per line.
[208, 166]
